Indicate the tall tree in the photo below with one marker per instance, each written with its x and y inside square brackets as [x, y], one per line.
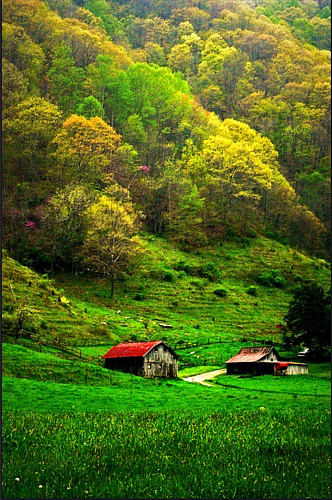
[309, 318]
[65, 80]
[111, 243]
[61, 234]
[85, 149]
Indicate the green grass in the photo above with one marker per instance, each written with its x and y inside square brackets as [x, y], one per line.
[298, 386]
[188, 302]
[239, 454]
[196, 370]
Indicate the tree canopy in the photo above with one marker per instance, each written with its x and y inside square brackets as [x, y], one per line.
[309, 318]
[203, 112]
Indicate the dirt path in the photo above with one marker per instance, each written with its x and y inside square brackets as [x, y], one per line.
[201, 379]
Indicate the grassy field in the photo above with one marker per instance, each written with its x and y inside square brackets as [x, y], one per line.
[72, 429]
[255, 454]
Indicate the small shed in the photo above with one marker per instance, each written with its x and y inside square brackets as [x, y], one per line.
[262, 361]
[146, 359]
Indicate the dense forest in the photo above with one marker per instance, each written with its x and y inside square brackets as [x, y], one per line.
[199, 120]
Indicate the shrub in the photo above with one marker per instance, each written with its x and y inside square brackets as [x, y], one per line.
[182, 265]
[7, 323]
[252, 290]
[139, 296]
[271, 278]
[220, 292]
[169, 277]
[209, 271]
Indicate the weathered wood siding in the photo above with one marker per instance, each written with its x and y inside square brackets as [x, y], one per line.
[272, 357]
[160, 362]
[296, 369]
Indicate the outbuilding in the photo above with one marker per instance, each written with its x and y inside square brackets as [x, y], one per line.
[262, 360]
[146, 359]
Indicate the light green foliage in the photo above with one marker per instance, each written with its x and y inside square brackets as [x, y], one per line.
[90, 107]
[65, 80]
[28, 57]
[14, 85]
[271, 277]
[62, 231]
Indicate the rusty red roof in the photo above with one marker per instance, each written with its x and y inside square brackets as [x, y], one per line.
[131, 350]
[250, 354]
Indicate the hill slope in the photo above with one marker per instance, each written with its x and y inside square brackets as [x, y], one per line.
[207, 297]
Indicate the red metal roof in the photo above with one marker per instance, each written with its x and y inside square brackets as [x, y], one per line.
[250, 354]
[281, 365]
[132, 350]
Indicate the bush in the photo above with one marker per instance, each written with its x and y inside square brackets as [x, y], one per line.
[139, 296]
[182, 265]
[271, 278]
[7, 323]
[220, 292]
[209, 270]
[252, 290]
[169, 277]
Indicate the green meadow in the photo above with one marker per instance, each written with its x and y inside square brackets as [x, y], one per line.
[205, 454]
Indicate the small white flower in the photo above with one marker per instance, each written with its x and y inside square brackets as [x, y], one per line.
[17, 478]
[40, 486]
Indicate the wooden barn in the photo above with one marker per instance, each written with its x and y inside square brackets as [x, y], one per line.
[263, 361]
[147, 359]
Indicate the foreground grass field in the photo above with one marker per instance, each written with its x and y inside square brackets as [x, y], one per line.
[103, 434]
[239, 454]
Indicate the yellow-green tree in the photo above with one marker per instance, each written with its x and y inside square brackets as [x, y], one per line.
[85, 149]
[111, 244]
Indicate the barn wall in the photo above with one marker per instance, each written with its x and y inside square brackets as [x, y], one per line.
[126, 365]
[240, 368]
[297, 369]
[272, 357]
[160, 362]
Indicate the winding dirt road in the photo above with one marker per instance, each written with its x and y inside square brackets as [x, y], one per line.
[201, 379]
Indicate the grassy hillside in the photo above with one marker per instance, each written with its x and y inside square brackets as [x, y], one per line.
[170, 287]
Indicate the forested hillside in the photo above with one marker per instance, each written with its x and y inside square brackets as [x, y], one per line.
[198, 120]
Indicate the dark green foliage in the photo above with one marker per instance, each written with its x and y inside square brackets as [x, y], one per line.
[271, 278]
[169, 277]
[209, 270]
[252, 290]
[220, 292]
[139, 296]
[7, 322]
[309, 318]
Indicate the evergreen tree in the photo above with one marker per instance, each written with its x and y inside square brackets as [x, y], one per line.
[308, 318]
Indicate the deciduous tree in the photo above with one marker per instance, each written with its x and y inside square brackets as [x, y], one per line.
[111, 243]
